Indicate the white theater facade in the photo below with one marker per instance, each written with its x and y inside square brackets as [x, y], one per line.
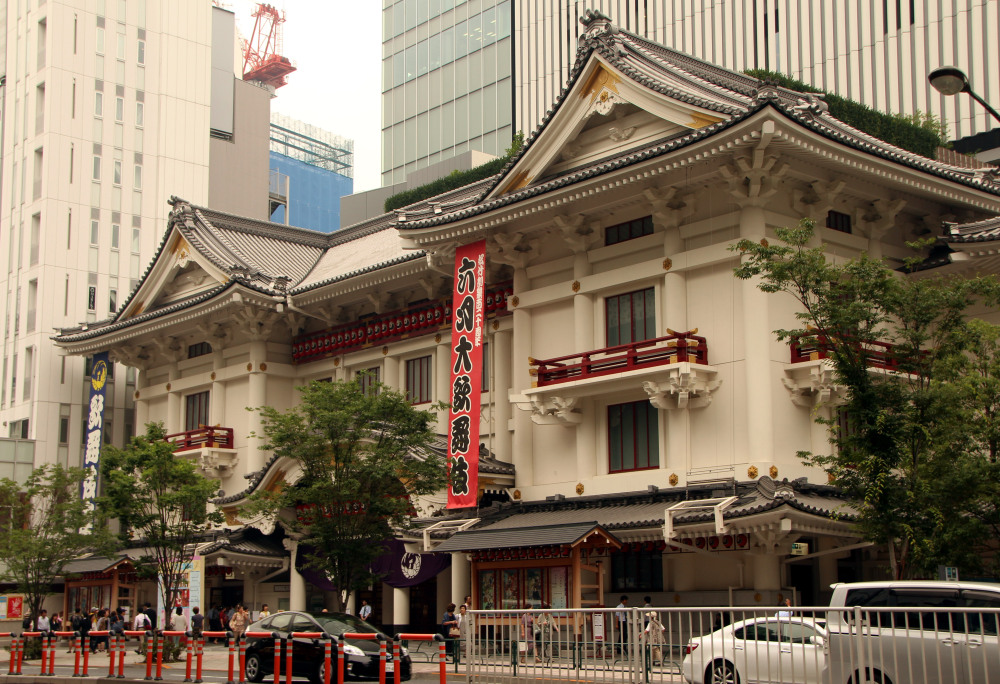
[640, 422]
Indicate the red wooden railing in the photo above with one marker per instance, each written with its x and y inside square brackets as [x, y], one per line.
[204, 436]
[815, 347]
[677, 347]
[422, 319]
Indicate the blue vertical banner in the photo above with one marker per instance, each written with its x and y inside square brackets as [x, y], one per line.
[95, 433]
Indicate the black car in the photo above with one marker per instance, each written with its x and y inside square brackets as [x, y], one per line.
[361, 656]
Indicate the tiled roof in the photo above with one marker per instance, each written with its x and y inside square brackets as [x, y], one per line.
[501, 538]
[92, 564]
[249, 542]
[644, 510]
[684, 78]
[980, 231]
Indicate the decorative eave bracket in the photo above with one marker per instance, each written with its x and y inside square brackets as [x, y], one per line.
[553, 410]
[811, 384]
[686, 385]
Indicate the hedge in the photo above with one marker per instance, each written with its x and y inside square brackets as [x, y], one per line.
[894, 130]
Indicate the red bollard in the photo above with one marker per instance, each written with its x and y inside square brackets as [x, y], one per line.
[443, 657]
[149, 654]
[122, 647]
[241, 644]
[83, 643]
[327, 661]
[340, 662]
[232, 655]
[289, 645]
[158, 640]
[45, 653]
[279, 645]
[381, 662]
[395, 661]
[76, 655]
[15, 648]
[53, 644]
[189, 643]
[199, 652]
[112, 651]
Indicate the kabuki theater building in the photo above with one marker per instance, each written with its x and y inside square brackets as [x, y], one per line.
[638, 422]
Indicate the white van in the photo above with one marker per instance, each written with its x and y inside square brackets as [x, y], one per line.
[914, 632]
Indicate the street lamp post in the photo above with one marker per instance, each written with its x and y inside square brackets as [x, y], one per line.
[952, 81]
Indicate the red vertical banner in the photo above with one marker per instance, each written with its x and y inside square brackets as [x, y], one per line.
[466, 374]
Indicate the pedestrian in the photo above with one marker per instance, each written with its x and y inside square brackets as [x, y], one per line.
[464, 618]
[100, 643]
[214, 623]
[151, 614]
[198, 622]
[468, 602]
[141, 624]
[56, 622]
[546, 629]
[84, 628]
[264, 612]
[655, 636]
[448, 623]
[621, 617]
[646, 607]
[179, 624]
[785, 609]
[43, 624]
[527, 634]
[366, 610]
[238, 622]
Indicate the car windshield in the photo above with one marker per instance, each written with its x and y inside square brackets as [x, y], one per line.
[341, 623]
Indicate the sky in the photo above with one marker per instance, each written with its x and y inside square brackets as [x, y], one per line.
[336, 46]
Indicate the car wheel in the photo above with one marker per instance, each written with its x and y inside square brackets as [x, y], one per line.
[721, 672]
[253, 669]
[871, 676]
[317, 675]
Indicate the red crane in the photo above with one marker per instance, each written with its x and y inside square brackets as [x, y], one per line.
[262, 58]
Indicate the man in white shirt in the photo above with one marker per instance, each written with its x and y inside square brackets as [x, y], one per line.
[43, 621]
[621, 617]
[366, 610]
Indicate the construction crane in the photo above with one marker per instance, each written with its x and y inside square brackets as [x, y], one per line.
[262, 58]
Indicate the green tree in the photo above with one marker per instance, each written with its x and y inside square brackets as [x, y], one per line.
[364, 456]
[912, 458]
[40, 530]
[161, 503]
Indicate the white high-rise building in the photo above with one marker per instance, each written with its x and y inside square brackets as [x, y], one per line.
[445, 60]
[109, 108]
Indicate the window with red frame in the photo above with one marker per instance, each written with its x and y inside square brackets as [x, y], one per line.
[418, 380]
[630, 317]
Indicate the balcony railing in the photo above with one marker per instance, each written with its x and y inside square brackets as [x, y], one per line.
[677, 347]
[421, 319]
[813, 348]
[202, 437]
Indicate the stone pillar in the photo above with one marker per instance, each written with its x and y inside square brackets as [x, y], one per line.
[256, 397]
[461, 577]
[766, 571]
[444, 596]
[501, 400]
[683, 569]
[400, 607]
[351, 606]
[757, 338]
[297, 583]
[586, 442]
[522, 451]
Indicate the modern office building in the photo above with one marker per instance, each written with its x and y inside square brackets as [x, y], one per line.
[109, 108]
[311, 169]
[510, 59]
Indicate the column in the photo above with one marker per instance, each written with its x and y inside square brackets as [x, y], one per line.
[400, 608]
[217, 404]
[297, 583]
[501, 394]
[757, 338]
[583, 306]
[352, 601]
[461, 577]
[766, 571]
[391, 374]
[257, 396]
[175, 413]
[522, 443]
[586, 442]
[442, 378]
[142, 403]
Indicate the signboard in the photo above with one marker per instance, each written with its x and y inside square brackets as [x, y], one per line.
[466, 374]
[598, 627]
[800, 549]
[95, 433]
[15, 607]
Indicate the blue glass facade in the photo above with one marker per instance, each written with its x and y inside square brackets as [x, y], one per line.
[314, 194]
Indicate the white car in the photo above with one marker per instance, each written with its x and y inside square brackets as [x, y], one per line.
[764, 649]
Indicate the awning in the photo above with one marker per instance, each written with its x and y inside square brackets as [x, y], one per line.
[525, 537]
[79, 566]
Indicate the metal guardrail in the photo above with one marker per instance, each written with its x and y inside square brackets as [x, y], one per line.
[932, 645]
